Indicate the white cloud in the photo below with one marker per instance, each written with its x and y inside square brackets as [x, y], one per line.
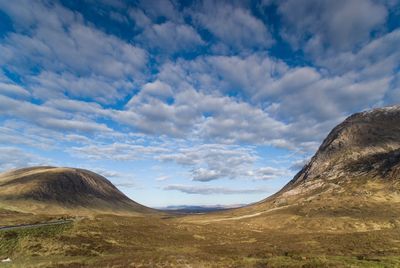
[171, 37]
[210, 116]
[235, 26]
[13, 90]
[206, 190]
[212, 162]
[50, 85]
[47, 117]
[77, 59]
[376, 59]
[270, 173]
[338, 25]
[101, 94]
[160, 8]
[115, 151]
[11, 157]
[163, 178]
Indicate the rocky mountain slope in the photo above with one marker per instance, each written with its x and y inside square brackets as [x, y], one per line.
[365, 146]
[352, 183]
[51, 189]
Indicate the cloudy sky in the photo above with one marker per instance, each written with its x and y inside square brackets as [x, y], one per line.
[189, 102]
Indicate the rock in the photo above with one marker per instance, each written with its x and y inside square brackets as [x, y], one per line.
[6, 260]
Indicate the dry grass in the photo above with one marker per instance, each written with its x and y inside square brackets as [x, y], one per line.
[294, 236]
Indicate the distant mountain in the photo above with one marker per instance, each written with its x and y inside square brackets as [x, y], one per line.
[63, 190]
[199, 209]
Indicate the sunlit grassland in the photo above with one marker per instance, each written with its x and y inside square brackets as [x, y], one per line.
[155, 241]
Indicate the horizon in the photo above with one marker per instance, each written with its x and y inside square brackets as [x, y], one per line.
[196, 103]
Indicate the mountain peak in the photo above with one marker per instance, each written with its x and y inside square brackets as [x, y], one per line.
[365, 144]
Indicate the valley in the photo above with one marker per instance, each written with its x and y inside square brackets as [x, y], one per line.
[341, 210]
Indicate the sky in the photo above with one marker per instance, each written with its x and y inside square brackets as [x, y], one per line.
[189, 102]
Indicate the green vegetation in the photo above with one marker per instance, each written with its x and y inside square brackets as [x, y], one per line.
[28, 239]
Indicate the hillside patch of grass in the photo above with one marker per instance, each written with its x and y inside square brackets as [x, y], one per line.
[12, 241]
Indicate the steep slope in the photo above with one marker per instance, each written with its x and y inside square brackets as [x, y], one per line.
[352, 183]
[365, 146]
[64, 190]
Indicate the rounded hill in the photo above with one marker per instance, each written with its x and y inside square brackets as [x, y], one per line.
[63, 189]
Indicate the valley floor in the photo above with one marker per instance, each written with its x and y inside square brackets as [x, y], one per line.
[196, 241]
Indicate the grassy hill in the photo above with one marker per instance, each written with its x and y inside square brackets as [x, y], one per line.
[51, 190]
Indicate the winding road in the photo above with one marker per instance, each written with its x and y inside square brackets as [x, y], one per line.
[22, 226]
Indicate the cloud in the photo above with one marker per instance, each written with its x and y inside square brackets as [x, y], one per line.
[126, 184]
[163, 178]
[211, 162]
[269, 173]
[205, 190]
[77, 138]
[299, 164]
[50, 85]
[338, 25]
[12, 157]
[47, 117]
[213, 117]
[291, 107]
[233, 25]
[115, 151]
[171, 37]
[156, 9]
[376, 59]
[13, 90]
[54, 50]
[72, 57]
[213, 90]
[26, 134]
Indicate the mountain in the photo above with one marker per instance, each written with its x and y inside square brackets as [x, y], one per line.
[62, 190]
[364, 149]
[198, 209]
[353, 177]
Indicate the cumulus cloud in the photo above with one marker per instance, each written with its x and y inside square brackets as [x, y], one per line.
[211, 162]
[201, 86]
[78, 60]
[211, 116]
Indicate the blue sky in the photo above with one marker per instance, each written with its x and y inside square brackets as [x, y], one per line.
[189, 102]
